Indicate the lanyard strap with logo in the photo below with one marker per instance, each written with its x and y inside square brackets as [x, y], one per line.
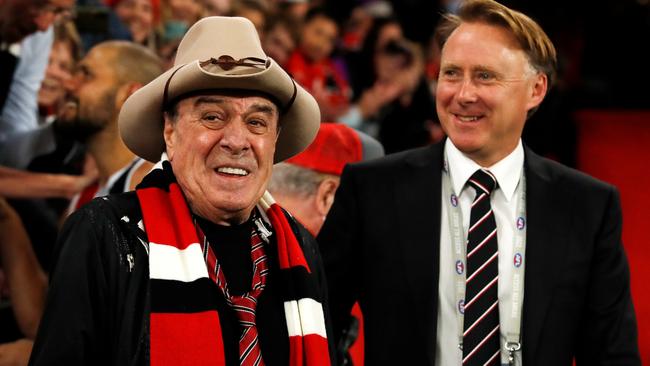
[459, 247]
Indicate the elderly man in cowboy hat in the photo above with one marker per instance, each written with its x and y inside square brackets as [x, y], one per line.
[198, 266]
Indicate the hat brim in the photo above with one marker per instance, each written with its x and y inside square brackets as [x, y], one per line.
[141, 120]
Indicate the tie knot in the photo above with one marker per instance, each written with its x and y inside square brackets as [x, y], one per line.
[483, 181]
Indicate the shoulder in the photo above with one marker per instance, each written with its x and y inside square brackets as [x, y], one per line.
[110, 208]
[106, 228]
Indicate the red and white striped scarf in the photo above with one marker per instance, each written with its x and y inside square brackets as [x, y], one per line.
[184, 324]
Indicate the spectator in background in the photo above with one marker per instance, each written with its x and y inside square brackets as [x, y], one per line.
[106, 76]
[305, 184]
[280, 38]
[254, 10]
[296, 9]
[66, 52]
[140, 17]
[312, 67]
[25, 41]
[177, 17]
[393, 102]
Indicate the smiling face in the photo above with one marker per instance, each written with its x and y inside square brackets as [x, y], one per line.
[58, 72]
[221, 149]
[319, 38]
[485, 89]
[91, 107]
[138, 16]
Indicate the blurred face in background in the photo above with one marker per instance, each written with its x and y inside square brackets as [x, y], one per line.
[387, 61]
[389, 32]
[278, 43]
[319, 37]
[138, 16]
[57, 74]
[256, 17]
[92, 92]
[20, 18]
[188, 11]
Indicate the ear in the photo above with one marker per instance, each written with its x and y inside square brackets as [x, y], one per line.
[169, 134]
[125, 91]
[325, 195]
[538, 90]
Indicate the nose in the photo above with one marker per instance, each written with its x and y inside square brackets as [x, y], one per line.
[235, 138]
[467, 92]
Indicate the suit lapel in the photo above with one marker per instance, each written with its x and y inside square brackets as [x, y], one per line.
[417, 199]
[548, 219]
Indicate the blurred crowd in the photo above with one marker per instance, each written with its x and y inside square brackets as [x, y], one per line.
[371, 65]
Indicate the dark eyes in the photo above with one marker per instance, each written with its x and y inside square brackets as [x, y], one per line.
[484, 76]
[481, 76]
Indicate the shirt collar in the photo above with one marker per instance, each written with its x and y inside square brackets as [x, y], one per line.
[507, 170]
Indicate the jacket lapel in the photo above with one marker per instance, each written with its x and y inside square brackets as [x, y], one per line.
[548, 219]
[417, 200]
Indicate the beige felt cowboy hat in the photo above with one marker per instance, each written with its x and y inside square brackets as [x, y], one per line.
[219, 53]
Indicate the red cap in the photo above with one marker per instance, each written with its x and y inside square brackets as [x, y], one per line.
[334, 146]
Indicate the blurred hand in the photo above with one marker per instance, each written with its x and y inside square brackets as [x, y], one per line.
[16, 353]
[331, 106]
[381, 94]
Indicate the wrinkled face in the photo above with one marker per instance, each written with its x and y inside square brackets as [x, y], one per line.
[221, 149]
[92, 94]
[278, 44]
[319, 38]
[138, 17]
[58, 72]
[486, 87]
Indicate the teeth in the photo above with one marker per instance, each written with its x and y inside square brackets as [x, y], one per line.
[467, 119]
[234, 171]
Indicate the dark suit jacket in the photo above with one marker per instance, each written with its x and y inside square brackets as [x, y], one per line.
[380, 245]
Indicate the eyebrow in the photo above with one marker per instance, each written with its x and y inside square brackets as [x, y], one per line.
[207, 100]
[264, 108]
[269, 109]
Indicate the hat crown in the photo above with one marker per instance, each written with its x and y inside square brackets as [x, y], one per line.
[215, 36]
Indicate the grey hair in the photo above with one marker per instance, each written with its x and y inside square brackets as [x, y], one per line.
[290, 179]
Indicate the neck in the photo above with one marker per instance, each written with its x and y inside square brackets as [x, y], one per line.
[109, 152]
[221, 217]
[488, 160]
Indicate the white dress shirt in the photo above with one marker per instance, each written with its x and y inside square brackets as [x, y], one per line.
[504, 204]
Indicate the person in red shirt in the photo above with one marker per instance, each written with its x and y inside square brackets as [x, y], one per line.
[312, 67]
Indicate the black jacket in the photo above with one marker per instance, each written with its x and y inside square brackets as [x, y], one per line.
[381, 244]
[97, 311]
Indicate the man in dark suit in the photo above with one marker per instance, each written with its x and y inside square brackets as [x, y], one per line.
[476, 251]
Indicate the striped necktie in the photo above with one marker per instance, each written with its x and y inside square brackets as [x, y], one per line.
[245, 305]
[481, 336]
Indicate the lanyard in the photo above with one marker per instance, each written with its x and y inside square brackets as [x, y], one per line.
[459, 247]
